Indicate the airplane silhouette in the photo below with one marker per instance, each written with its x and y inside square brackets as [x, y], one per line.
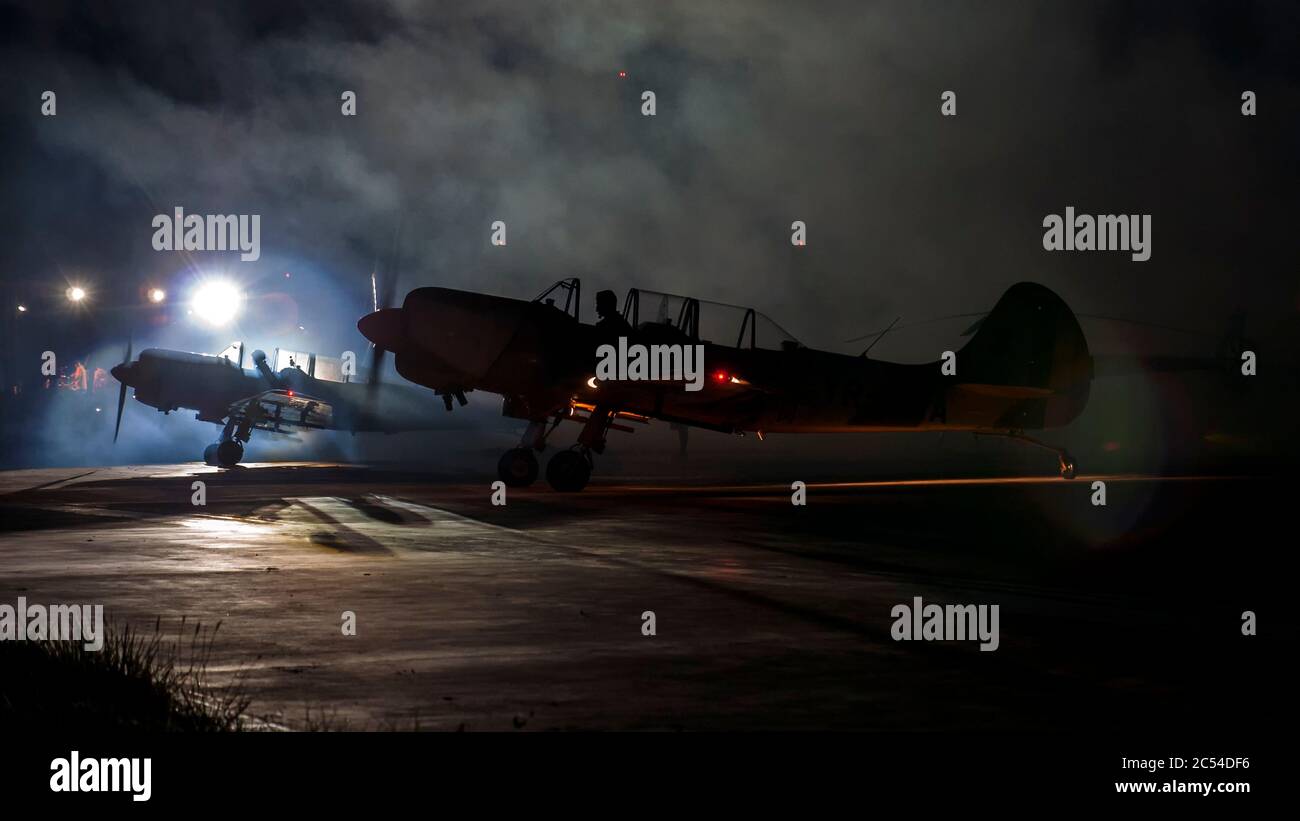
[1027, 367]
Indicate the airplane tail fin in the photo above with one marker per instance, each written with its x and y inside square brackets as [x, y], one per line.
[1030, 342]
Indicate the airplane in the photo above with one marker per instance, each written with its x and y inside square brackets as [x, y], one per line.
[1027, 367]
[242, 400]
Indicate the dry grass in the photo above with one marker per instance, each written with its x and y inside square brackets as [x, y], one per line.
[150, 682]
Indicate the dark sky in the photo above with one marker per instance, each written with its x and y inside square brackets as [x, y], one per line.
[768, 112]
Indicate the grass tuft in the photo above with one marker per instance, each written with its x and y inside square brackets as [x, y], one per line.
[147, 682]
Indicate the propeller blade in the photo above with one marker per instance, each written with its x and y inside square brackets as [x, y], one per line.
[121, 392]
[383, 296]
[382, 301]
[121, 402]
[376, 352]
[390, 281]
[377, 355]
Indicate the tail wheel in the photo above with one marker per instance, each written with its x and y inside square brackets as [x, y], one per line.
[518, 467]
[568, 471]
[1067, 465]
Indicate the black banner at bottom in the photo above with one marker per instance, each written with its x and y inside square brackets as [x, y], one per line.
[298, 770]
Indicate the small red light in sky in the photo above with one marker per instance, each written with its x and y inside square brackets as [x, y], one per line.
[720, 376]
[1111, 447]
[622, 74]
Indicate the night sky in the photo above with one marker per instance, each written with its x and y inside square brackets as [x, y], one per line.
[767, 112]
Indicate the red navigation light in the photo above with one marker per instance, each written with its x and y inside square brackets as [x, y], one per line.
[721, 376]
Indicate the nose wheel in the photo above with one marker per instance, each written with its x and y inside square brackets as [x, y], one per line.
[223, 454]
[518, 467]
[569, 470]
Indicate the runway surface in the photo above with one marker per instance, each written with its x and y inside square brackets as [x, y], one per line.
[529, 616]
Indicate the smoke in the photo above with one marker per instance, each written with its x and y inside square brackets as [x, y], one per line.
[767, 112]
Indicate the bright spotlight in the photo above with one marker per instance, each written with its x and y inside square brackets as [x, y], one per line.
[76, 293]
[216, 302]
[157, 295]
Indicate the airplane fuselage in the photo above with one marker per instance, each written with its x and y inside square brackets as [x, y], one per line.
[211, 385]
[541, 358]
[1027, 368]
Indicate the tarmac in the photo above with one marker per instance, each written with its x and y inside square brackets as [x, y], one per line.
[535, 614]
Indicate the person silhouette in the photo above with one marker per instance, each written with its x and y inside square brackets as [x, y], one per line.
[610, 320]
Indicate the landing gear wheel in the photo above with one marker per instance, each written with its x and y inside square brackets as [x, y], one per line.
[518, 467]
[1067, 465]
[229, 453]
[568, 471]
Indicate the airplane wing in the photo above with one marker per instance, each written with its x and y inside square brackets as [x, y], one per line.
[280, 410]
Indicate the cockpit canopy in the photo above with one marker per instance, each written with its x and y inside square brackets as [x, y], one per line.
[698, 320]
[706, 321]
[282, 360]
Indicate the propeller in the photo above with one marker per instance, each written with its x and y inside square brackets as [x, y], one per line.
[121, 392]
[377, 353]
[380, 301]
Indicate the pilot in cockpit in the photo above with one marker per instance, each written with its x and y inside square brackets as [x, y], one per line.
[610, 321]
